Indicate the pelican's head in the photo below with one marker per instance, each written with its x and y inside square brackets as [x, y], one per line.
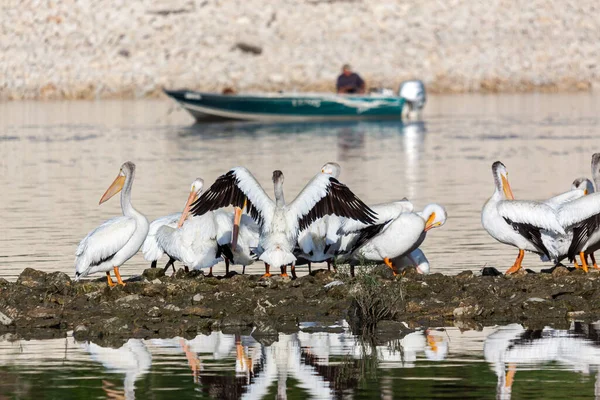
[127, 170]
[435, 215]
[277, 176]
[583, 184]
[596, 169]
[501, 180]
[195, 192]
[332, 169]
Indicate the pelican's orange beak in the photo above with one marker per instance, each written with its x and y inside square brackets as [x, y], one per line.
[429, 224]
[186, 210]
[237, 218]
[506, 188]
[114, 188]
[585, 192]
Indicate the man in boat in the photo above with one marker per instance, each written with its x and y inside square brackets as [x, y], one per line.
[350, 82]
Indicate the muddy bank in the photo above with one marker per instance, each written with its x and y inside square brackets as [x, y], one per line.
[154, 305]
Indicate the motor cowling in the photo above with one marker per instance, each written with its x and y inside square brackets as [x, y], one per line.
[413, 92]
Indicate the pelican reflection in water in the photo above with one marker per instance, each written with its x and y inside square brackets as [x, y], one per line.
[512, 348]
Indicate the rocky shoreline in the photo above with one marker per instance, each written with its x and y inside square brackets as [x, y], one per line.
[154, 305]
[115, 49]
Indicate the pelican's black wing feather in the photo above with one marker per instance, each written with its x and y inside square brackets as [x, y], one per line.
[341, 201]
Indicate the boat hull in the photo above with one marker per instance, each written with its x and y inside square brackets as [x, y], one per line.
[288, 108]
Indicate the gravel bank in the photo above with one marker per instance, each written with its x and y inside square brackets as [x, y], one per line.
[82, 49]
[154, 305]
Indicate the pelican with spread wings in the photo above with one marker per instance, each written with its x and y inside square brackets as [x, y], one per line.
[281, 222]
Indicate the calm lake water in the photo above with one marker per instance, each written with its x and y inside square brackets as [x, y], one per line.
[58, 158]
[497, 362]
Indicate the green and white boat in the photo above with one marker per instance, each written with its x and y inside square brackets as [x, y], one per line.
[288, 107]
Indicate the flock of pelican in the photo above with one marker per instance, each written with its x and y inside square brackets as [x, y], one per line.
[326, 222]
[562, 227]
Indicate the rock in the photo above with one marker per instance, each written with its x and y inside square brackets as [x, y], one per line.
[203, 312]
[560, 271]
[490, 271]
[32, 278]
[465, 275]
[152, 274]
[154, 312]
[197, 298]
[128, 299]
[80, 329]
[460, 312]
[172, 307]
[58, 282]
[248, 48]
[519, 274]
[5, 320]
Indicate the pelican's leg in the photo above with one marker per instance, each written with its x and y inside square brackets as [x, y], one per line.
[584, 265]
[594, 261]
[284, 271]
[171, 263]
[352, 271]
[118, 275]
[309, 268]
[332, 264]
[328, 266]
[226, 266]
[243, 269]
[193, 360]
[109, 279]
[293, 268]
[388, 262]
[267, 271]
[153, 265]
[510, 375]
[210, 274]
[517, 265]
[186, 269]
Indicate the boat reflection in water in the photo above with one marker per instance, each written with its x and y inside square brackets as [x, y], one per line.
[512, 348]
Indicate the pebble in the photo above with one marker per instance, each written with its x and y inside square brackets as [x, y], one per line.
[453, 47]
[5, 320]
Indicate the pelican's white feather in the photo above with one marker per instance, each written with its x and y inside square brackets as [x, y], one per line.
[194, 244]
[314, 191]
[385, 212]
[255, 193]
[563, 198]
[533, 213]
[579, 210]
[103, 242]
[150, 248]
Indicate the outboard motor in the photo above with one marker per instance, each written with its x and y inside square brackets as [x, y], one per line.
[413, 93]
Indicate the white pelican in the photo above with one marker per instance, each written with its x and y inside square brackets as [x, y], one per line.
[247, 239]
[416, 259]
[194, 241]
[279, 222]
[151, 250]
[398, 230]
[117, 240]
[517, 223]
[558, 244]
[320, 241]
[583, 216]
